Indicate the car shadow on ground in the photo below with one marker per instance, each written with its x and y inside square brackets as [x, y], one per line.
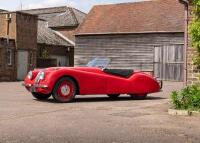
[104, 99]
[107, 99]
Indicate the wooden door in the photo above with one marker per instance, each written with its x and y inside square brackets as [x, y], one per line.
[169, 62]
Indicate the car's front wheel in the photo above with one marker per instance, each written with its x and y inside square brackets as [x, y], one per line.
[64, 90]
[138, 97]
[41, 96]
[113, 96]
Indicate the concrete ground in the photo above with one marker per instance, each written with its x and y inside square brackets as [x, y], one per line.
[92, 119]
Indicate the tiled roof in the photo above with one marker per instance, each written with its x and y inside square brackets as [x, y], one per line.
[136, 17]
[59, 16]
[48, 36]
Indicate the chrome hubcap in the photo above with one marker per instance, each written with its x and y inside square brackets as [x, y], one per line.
[65, 90]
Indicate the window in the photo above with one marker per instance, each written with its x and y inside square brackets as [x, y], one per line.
[9, 57]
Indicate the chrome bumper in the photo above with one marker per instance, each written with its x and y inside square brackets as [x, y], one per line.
[35, 85]
[160, 83]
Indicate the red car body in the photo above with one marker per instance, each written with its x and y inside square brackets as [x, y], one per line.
[91, 81]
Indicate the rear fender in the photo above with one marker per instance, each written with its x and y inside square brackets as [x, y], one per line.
[142, 83]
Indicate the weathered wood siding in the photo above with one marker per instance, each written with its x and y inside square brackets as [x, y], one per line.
[169, 62]
[135, 51]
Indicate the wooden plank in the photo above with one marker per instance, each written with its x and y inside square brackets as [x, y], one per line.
[171, 65]
[128, 51]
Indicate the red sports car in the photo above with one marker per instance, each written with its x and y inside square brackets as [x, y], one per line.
[63, 83]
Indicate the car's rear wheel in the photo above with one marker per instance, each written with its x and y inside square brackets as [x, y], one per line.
[64, 90]
[138, 97]
[113, 96]
[41, 96]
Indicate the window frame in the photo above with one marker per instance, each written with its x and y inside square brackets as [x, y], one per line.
[9, 55]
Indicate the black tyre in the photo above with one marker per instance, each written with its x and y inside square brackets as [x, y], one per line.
[113, 96]
[41, 96]
[138, 97]
[64, 90]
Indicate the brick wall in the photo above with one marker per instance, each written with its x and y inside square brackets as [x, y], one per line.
[22, 28]
[193, 74]
[8, 26]
[26, 35]
[7, 72]
[26, 31]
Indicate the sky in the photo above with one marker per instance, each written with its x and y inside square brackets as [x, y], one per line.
[84, 5]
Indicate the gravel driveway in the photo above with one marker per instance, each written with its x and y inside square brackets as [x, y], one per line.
[92, 119]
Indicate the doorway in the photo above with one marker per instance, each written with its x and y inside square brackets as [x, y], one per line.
[169, 62]
[22, 64]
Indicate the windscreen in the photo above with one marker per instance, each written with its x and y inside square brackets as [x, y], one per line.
[99, 62]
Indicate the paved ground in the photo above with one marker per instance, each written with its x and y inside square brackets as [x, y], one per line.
[92, 119]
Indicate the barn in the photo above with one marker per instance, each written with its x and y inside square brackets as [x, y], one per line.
[53, 49]
[146, 36]
[56, 27]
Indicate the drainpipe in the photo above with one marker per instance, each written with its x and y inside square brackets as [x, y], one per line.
[186, 4]
[8, 19]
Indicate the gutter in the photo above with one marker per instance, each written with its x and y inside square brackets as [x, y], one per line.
[127, 33]
[186, 4]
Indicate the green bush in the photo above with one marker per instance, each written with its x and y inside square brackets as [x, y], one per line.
[187, 99]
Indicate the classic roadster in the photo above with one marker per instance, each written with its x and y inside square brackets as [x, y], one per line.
[63, 83]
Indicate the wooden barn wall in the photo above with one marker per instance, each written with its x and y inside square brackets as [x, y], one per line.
[135, 51]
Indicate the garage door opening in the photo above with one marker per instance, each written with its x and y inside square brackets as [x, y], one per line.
[169, 62]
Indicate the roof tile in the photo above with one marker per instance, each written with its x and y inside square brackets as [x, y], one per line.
[59, 16]
[48, 36]
[136, 17]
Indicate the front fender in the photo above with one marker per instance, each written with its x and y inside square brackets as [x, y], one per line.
[54, 76]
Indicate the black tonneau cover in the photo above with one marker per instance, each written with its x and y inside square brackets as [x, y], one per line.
[126, 73]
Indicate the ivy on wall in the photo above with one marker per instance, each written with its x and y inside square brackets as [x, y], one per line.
[194, 30]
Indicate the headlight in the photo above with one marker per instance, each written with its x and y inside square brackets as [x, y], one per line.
[30, 75]
[41, 75]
